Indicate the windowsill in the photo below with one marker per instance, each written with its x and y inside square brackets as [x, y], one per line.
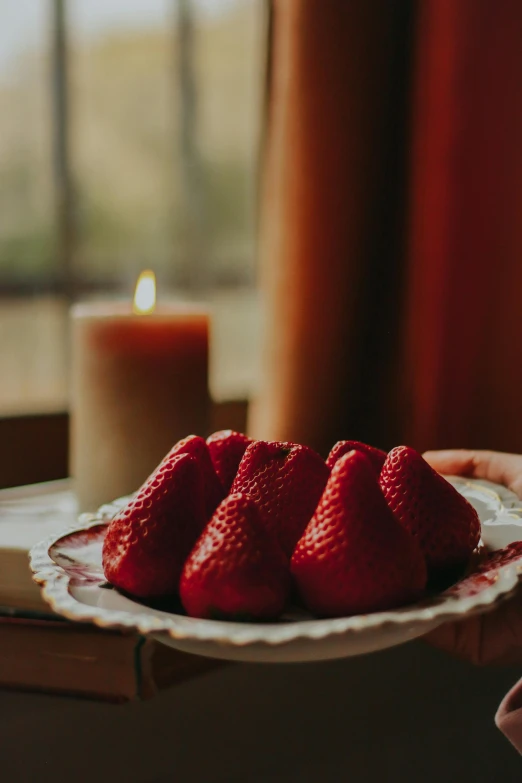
[35, 448]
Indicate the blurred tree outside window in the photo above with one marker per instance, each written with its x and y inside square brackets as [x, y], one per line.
[130, 135]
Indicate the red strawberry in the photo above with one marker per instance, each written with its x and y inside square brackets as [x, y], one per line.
[342, 447]
[236, 569]
[444, 523]
[197, 448]
[226, 450]
[148, 541]
[286, 481]
[354, 557]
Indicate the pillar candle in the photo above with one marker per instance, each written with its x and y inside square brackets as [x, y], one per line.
[139, 384]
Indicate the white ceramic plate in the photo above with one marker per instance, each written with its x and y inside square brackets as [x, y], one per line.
[68, 567]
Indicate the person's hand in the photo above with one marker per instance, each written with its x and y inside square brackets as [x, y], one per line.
[491, 465]
[494, 637]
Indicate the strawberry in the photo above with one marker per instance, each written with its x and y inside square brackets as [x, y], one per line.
[226, 451]
[147, 541]
[354, 557]
[286, 481]
[236, 569]
[446, 526]
[376, 456]
[197, 448]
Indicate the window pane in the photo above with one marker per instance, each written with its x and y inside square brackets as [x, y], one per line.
[165, 106]
[121, 106]
[27, 252]
[32, 335]
[161, 128]
[228, 61]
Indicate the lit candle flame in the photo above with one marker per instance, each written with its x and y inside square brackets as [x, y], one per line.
[145, 296]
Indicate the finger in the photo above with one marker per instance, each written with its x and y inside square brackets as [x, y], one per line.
[460, 639]
[463, 462]
[491, 465]
[494, 638]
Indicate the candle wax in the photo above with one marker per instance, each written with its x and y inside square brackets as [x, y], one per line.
[140, 383]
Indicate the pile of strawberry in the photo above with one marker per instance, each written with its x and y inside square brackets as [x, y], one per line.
[234, 527]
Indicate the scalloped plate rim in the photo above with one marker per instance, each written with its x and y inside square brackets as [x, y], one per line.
[55, 589]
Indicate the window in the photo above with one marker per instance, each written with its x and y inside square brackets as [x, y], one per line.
[130, 134]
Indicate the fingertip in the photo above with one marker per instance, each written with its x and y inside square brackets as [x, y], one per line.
[459, 462]
[446, 453]
[441, 454]
[445, 457]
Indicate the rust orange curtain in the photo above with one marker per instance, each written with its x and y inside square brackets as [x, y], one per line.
[391, 243]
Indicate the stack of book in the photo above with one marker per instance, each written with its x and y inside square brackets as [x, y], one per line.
[42, 652]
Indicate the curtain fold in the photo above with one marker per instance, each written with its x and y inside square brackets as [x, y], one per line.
[333, 70]
[391, 239]
[463, 326]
